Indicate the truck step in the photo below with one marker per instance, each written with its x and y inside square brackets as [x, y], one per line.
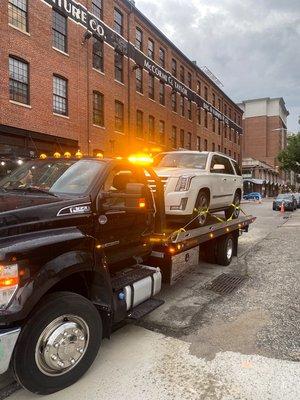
[130, 277]
[145, 308]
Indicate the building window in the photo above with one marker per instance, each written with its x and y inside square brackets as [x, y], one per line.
[151, 129]
[230, 134]
[98, 54]
[229, 153]
[162, 132]
[162, 99]
[97, 8]
[225, 150]
[214, 100]
[162, 58]
[205, 145]
[219, 148]
[181, 74]
[17, 14]
[174, 101]
[139, 39]
[225, 109]
[60, 95]
[139, 124]
[174, 67]
[199, 88]
[199, 115]
[181, 105]
[190, 110]
[205, 93]
[214, 124]
[151, 49]
[98, 109]
[234, 156]
[198, 143]
[151, 83]
[213, 147]
[18, 80]
[181, 138]
[139, 79]
[59, 31]
[206, 119]
[225, 131]
[174, 137]
[189, 80]
[119, 116]
[118, 21]
[189, 141]
[229, 113]
[118, 66]
[219, 104]
[219, 127]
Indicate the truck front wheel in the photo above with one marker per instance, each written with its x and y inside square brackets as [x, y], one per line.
[58, 343]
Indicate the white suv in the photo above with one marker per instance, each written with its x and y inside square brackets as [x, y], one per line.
[199, 180]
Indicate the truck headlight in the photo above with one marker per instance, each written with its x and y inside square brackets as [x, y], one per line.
[9, 280]
[184, 183]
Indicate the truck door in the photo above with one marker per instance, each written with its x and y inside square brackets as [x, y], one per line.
[123, 232]
[218, 182]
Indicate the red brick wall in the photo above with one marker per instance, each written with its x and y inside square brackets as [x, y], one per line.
[261, 141]
[36, 48]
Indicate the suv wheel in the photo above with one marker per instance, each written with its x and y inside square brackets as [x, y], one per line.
[202, 205]
[234, 211]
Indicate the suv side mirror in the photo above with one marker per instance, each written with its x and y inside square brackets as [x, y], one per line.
[219, 167]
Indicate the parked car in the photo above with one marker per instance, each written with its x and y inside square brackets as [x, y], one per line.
[297, 197]
[288, 199]
[252, 196]
[199, 180]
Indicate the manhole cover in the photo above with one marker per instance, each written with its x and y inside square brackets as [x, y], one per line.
[226, 283]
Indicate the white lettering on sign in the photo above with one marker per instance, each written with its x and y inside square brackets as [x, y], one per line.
[96, 27]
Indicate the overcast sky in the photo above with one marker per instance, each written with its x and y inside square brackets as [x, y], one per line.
[252, 46]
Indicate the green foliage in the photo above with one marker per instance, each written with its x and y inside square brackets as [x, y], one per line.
[290, 157]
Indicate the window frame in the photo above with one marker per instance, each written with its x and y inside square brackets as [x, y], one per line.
[140, 46]
[190, 111]
[162, 58]
[118, 117]
[139, 80]
[174, 67]
[65, 35]
[119, 68]
[12, 6]
[62, 78]
[198, 143]
[189, 141]
[151, 49]
[162, 93]
[96, 7]
[174, 102]
[182, 74]
[98, 56]
[189, 80]
[174, 137]
[182, 105]
[118, 26]
[181, 138]
[27, 83]
[101, 111]
[162, 133]
[151, 128]
[151, 86]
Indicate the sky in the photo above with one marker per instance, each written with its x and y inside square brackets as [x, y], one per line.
[251, 46]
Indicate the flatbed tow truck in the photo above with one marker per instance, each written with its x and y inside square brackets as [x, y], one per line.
[83, 246]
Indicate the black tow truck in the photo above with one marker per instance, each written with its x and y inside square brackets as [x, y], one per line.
[84, 246]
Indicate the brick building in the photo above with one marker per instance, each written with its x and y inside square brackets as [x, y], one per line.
[99, 76]
[265, 135]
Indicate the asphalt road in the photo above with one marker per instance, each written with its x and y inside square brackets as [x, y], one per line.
[201, 345]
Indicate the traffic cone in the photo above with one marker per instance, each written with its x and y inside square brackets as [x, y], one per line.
[282, 208]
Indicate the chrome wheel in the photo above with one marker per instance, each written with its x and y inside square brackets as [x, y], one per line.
[229, 248]
[61, 345]
[202, 207]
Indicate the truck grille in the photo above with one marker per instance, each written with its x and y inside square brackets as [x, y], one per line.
[152, 185]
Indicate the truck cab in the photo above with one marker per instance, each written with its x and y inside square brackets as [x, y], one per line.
[73, 237]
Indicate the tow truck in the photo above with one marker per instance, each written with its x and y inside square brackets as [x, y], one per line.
[83, 246]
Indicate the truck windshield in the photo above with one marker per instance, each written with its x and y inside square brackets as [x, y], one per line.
[54, 176]
[180, 160]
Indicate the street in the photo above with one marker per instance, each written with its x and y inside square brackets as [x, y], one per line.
[203, 345]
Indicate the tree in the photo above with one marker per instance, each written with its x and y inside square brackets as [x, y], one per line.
[289, 158]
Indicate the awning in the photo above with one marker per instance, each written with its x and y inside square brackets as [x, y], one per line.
[255, 181]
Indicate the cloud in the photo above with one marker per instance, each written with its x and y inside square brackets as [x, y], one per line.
[251, 46]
